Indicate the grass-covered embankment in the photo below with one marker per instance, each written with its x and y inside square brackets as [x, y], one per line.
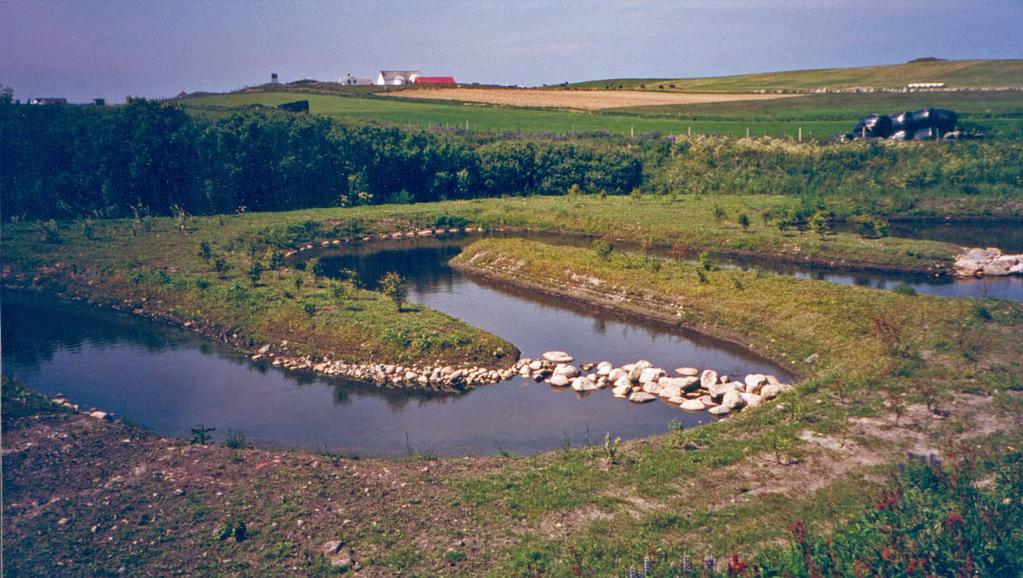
[226, 275]
[887, 368]
[227, 278]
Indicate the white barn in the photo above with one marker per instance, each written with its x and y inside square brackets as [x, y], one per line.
[396, 77]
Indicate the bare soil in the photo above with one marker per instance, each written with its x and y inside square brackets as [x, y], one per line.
[589, 100]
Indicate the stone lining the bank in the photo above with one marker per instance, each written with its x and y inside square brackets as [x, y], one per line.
[977, 262]
[691, 389]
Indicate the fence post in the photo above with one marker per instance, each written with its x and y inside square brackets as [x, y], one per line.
[800, 134]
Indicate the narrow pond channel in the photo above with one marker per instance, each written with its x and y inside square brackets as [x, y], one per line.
[169, 381]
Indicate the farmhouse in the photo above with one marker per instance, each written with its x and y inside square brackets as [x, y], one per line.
[396, 77]
[434, 80]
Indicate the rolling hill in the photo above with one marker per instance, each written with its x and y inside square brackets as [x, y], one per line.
[954, 73]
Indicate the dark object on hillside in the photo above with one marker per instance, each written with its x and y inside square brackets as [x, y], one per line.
[297, 106]
[874, 126]
[937, 118]
[927, 59]
[901, 121]
[923, 124]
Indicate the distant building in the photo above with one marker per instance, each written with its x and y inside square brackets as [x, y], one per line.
[434, 80]
[47, 101]
[396, 77]
[926, 85]
[349, 80]
[273, 78]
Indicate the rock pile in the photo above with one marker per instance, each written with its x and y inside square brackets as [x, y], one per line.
[690, 389]
[978, 262]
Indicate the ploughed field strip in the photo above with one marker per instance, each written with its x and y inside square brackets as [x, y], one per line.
[590, 100]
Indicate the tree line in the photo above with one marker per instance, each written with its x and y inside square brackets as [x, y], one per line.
[69, 161]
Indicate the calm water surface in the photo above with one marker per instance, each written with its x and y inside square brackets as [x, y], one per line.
[169, 381]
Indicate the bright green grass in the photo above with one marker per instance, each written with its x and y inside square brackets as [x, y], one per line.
[954, 73]
[819, 116]
[501, 119]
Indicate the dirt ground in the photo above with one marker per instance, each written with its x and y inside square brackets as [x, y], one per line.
[575, 99]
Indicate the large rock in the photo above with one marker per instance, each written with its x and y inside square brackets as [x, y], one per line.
[687, 371]
[559, 380]
[732, 399]
[583, 384]
[568, 371]
[717, 390]
[718, 410]
[617, 373]
[623, 381]
[708, 378]
[652, 387]
[557, 357]
[621, 392]
[637, 369]
[338, 554]
[770, 391]
[651, 375]
[754, 381]
[692, 405]
[642, 397]
[604, 368]
[751, 399]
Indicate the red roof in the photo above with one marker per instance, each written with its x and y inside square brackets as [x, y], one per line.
[435, 80]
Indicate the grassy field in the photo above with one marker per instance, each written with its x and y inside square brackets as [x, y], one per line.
[820, 116]
[501, 119]
[893, 373]
[954, 73]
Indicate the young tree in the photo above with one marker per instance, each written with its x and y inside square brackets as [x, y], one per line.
[744, 221]
[393, 286]
[205, 253]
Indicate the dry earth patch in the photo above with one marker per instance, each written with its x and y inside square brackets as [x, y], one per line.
[588, 100]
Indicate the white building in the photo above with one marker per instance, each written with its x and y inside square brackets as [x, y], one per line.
[396, 77]
[349, 80]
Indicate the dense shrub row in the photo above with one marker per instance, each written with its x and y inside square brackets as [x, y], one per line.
[775, 166]
[67, 161]
[62, 161]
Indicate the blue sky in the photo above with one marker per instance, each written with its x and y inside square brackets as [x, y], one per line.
[82, 49]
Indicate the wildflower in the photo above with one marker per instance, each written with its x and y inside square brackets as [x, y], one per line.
[954, 519]
[889, 500]
[798, 530]
[708, 563]
[736, 565]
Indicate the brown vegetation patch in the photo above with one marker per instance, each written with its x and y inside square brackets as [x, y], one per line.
[575, 99]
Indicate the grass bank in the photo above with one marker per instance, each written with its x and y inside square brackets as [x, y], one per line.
[877, 359]
[227, 277]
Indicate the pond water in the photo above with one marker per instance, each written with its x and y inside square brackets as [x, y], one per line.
[170, 381]
[1006, 234]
